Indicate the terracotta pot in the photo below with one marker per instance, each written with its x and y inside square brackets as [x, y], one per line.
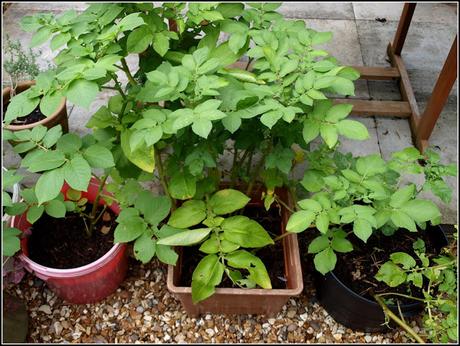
[246, 301]
[86, 284]
[58, 117]
[357, 312]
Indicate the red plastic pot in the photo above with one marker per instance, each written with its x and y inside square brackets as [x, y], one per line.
[87, 284]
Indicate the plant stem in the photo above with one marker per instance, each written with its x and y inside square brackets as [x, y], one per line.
[117, 85]
[162, 177]
[400, 322]
[280, 201]
[249, 63]
[281, 236]
[128, 72]
[400, 295]
[92, 216]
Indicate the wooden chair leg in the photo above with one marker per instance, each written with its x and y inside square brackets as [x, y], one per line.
[438, 98]
[403, 27]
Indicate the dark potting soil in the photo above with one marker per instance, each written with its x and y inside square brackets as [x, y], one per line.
[62, 243]
[272, 256]
[357, 269]
[31, 118]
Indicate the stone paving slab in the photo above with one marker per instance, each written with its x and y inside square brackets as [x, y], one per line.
[424, 12]
[424, 53]
[317, 10]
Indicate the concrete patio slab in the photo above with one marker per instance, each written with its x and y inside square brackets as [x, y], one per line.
[433, 12]
[318, 10]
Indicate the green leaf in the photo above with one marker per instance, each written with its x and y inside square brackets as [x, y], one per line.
[77, 173]
[160, 43]
[202, 127]
[41, 36]
[402, 220]
[34, 213]
[143, 157]
[50, 103]
[232, 122]
[416, 278]
[227, 201]
[49, 185]
[182, 186]
[341, 244]
[402, 196]
[10, 241]
[130, 22]
[46, 160]
[19, 106]
[207, 274]
[329, 134]
[129, 229]
[191, 213]
[321, 37]
[370, 165]
[316, 95]
[52, 136]
[186, 238]
[391, 274]
[310, 204]
[343, 86]
[421, 210]
[325, 261]
[270, 118]
[166, 254]
[139, 39]
[59, 40]
[322, 222]
[242, 259]
[144, 248]
[245, 232]
[403, 258]
[82, 92]
[338, 112]
[55, 208]
[98, 156]
[362, 229]
[312, 180]
[69, 143]
[319, 244]
[352, 129]
[154, 208]
[310, 130]
[300, 221]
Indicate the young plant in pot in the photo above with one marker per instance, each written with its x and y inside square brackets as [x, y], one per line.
[365, 208]
[28, 103]
[185, 109]
[65, 221]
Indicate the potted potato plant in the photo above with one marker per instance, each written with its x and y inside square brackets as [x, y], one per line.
[178, 117]
[364, 208]
[64, 223]
[34, 104]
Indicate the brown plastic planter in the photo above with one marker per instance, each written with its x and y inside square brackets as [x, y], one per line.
[58, 117]
[246, 301]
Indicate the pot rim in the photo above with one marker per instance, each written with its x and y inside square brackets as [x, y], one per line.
[366, 300]
[28, 84]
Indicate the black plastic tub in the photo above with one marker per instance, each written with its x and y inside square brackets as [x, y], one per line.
[359, 313]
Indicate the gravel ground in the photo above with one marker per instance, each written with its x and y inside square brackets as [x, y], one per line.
[142, 310]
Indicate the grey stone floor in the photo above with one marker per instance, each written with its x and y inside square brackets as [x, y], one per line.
[359, 39]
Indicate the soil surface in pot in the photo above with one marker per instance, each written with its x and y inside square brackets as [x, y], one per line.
[272, 256]
[31, 118]
[62, 243]
[357, 269]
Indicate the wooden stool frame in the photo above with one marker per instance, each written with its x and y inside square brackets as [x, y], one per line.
[421, 125]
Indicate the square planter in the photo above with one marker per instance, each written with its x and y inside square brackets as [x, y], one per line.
[246, 301]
